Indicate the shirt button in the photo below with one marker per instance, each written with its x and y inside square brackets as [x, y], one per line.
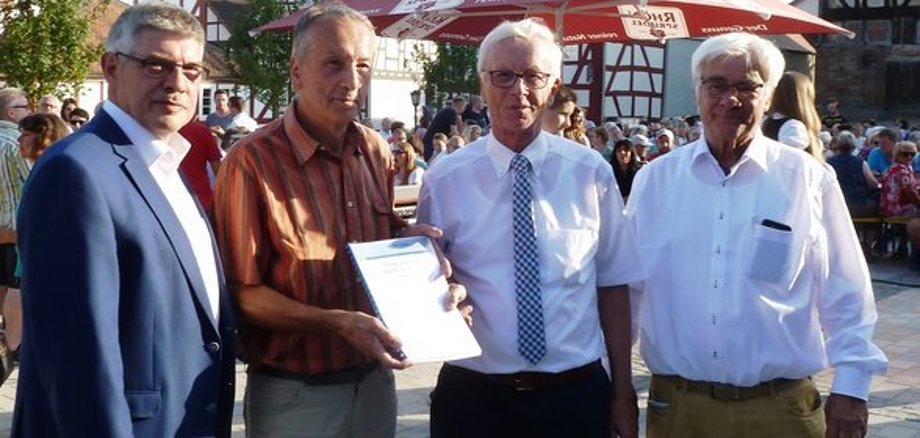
[721, 215]
[715, 354]
[212, 347]
[350, 204]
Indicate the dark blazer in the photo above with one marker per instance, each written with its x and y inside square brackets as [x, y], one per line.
[118, 337]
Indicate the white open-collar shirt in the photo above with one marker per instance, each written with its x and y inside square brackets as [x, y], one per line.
[728, 299]
[162, 158]
[583, 243]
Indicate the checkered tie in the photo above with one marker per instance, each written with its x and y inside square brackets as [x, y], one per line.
[531, 339]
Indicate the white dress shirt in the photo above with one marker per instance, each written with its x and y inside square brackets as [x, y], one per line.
[728, 299]
[583, 243]
[162, 159]
[792, 133]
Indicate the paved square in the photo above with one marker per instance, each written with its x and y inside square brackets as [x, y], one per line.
[894, 405]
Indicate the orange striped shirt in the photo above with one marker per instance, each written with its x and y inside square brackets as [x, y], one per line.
[284, 208]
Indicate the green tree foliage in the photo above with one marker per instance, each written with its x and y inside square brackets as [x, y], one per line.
[262, 61]
[45, 44]
[450, 70]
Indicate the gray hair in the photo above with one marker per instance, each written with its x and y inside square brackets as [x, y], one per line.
[758, 53]
[527, 29]
[320, 12]
[50, 98]
[9, 95]
[155, 15]
[846, 142]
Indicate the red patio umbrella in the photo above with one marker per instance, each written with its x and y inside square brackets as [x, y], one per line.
[579, 21]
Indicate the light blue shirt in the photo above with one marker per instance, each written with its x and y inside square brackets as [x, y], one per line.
[878, 162]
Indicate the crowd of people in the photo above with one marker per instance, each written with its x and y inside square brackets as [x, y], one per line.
[150, 258]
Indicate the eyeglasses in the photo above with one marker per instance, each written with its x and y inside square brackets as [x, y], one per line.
[908, 154]
[718, 88]
[77, 122]
[20, 106]
[158, 68]
[507, 78]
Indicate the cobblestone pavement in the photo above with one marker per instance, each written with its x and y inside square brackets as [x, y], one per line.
[894, 404]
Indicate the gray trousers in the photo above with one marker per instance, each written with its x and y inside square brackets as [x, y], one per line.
[280, 408]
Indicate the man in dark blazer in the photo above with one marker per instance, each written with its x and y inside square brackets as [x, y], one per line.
[128, 326]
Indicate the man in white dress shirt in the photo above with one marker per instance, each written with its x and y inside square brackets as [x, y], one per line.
[755, 276]
[536, 234]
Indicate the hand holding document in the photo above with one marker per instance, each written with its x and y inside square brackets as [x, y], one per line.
[405, 284]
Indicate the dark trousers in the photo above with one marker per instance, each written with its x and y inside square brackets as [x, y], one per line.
[466, 405]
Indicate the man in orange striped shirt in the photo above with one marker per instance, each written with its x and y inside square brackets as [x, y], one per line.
[288, 199]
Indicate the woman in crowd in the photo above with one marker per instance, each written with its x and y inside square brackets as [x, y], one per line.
[557, 116]
[900, 197]
[794, 121]
[858, 184]
[36, 133]
[625, 165]
[576, 130]
[68, 105]
[472, 133]
[77, 118]
[601, 143]
[454, 143]
[407, 170]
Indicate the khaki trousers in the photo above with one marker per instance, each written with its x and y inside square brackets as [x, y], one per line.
[281, 408]
[676, 412]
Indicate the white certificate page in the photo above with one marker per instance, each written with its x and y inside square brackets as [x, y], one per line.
[408, 290]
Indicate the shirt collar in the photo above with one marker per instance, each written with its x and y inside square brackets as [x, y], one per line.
[501, 155]
[756, 152]
[305, 146]
[167, 154]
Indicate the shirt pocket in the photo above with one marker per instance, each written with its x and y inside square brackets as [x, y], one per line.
[566, 256]
[771, 256]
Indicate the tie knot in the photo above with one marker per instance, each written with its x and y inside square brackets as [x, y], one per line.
[520, 164]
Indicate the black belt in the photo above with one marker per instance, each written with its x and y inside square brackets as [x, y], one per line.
[532, 380]
[354, 374]
[728, 392]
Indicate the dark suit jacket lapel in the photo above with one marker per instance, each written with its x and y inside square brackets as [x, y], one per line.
[136, 171]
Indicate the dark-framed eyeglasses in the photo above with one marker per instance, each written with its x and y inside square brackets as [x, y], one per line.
[20, 106]
[909, 154]
[77, 122]
[718, 88]
[506, 78]
[158, 68]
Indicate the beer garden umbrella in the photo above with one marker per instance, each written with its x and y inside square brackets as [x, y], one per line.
[579, 21]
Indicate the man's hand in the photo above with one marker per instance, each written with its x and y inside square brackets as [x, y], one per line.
[369, 336]
[846, 416]
[456, 298]
[624, 413]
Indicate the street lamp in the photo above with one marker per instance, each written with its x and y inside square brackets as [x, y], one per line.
[416, 96]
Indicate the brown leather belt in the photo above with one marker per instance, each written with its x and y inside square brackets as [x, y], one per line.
[727, 392]
[353, 374]
[531, 380]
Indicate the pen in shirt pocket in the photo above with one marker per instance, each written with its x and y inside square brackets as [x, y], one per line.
[769, 223]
